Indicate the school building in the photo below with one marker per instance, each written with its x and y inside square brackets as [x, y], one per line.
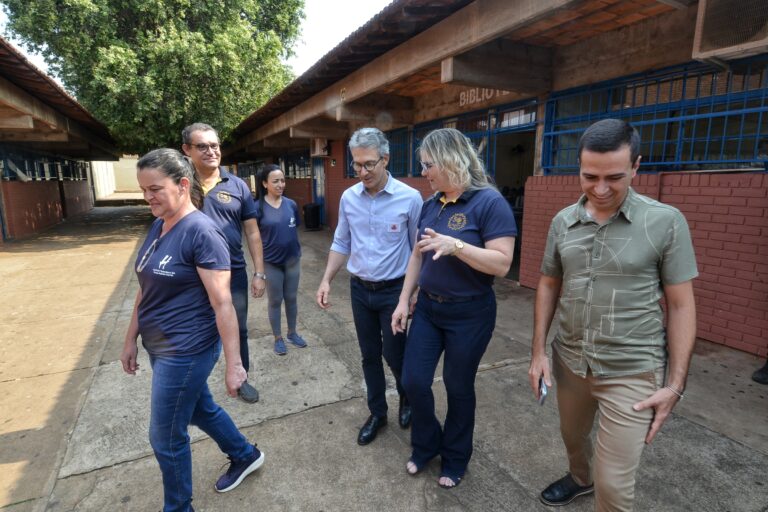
[47, 144]
[522, 79]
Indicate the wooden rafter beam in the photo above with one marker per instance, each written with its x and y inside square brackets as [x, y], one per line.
[28, 136]
[385, 111]
[501, 64]
[16, 122]
[48, 118]
[319, 128]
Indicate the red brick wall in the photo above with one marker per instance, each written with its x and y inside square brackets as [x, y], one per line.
[336, 183]
[728, 217]
[77, 198]
[300, 190]
[31, 207]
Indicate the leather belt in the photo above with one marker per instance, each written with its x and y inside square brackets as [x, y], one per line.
[441, 299]
[379, 285]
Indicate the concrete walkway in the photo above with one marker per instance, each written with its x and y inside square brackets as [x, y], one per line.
[73, 427]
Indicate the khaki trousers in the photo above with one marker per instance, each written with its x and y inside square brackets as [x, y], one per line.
[621, 431]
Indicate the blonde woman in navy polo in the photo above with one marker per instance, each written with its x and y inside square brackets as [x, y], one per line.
[184, 314]
[466, 231]
[279, 222]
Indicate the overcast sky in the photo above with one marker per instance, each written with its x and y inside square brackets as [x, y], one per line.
[327, 23]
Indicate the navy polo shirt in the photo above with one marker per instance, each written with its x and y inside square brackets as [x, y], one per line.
[476, 217]
[229, 203]
[278, 227]
[175, 315]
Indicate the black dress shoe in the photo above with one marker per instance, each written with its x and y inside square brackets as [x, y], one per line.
[404, 412]
[761, 376]
[370, 429]
[564, 491]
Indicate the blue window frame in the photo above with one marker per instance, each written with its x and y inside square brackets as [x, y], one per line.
[399, 151]
[297, 165]
[694, 116]
[18, 164]
[419, 132]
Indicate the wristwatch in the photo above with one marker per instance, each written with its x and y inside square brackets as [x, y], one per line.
[260, 275]
[459, 246]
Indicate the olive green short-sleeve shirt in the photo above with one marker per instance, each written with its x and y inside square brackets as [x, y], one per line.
[609, 319]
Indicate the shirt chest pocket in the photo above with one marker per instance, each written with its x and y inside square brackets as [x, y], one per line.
[391, 230]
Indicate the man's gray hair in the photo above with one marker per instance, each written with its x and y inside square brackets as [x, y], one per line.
[186, 133]
[370, 138]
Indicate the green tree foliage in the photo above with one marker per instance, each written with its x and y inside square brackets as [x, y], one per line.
[147, 68]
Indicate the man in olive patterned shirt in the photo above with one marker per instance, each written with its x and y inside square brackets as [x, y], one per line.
[609, 260]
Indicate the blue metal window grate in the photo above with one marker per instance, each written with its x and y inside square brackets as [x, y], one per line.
[694, 116]
[297, 165]
[481, 127]
[516, 117]
[248, 169]
[399, 150]
[20, 165]
[419, 132]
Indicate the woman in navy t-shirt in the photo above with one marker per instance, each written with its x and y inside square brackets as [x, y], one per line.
[278, 219]
[183, 309]
[467, 236]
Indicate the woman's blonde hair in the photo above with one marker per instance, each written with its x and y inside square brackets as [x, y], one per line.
[454, 153]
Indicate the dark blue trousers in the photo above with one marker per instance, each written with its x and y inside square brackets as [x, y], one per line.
[462, 330]
[238, 286]
[372, 311]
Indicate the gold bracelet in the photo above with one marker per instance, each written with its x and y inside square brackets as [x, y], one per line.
[678, 393]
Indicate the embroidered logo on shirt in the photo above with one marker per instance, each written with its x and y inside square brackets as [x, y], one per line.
[292, 222]
[160, 270]
[163, 262]
[223, 197]
[457, 221]
[393, 228]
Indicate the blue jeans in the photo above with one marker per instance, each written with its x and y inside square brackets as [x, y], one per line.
[180, 397]
[372, 312]
[283, 284]
[462, 330]
[238, 286]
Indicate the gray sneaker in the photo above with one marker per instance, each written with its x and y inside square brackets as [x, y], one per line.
[248, 393]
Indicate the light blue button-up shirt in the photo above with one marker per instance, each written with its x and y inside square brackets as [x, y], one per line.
[378, 233]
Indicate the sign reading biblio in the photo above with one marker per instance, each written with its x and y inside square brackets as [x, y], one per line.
[479, 95]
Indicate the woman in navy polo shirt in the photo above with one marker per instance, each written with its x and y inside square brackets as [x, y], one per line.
[278, 219]
[467, 231]
[182, 309]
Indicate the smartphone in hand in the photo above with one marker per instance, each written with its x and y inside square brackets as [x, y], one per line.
[542, 390]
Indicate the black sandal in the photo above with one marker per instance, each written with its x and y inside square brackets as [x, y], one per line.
[455, 479]
[419, 469]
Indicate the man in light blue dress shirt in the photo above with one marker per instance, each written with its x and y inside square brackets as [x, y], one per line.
[377, 227]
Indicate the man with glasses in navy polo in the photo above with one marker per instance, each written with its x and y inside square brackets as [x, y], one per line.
[228, 201]
[377, 227]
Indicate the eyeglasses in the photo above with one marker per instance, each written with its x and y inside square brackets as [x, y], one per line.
[203, 148]
[147, 254]
[368, 166]
[427, 165]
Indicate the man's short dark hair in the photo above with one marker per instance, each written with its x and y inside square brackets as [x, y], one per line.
[610, 135]
[186, 133]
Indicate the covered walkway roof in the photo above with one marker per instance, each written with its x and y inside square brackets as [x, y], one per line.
[37, 114]
[415, 47]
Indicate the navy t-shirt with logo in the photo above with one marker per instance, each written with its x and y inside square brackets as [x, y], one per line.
[476, 217]
[229, 203]
[278, 227]
[175, 315]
